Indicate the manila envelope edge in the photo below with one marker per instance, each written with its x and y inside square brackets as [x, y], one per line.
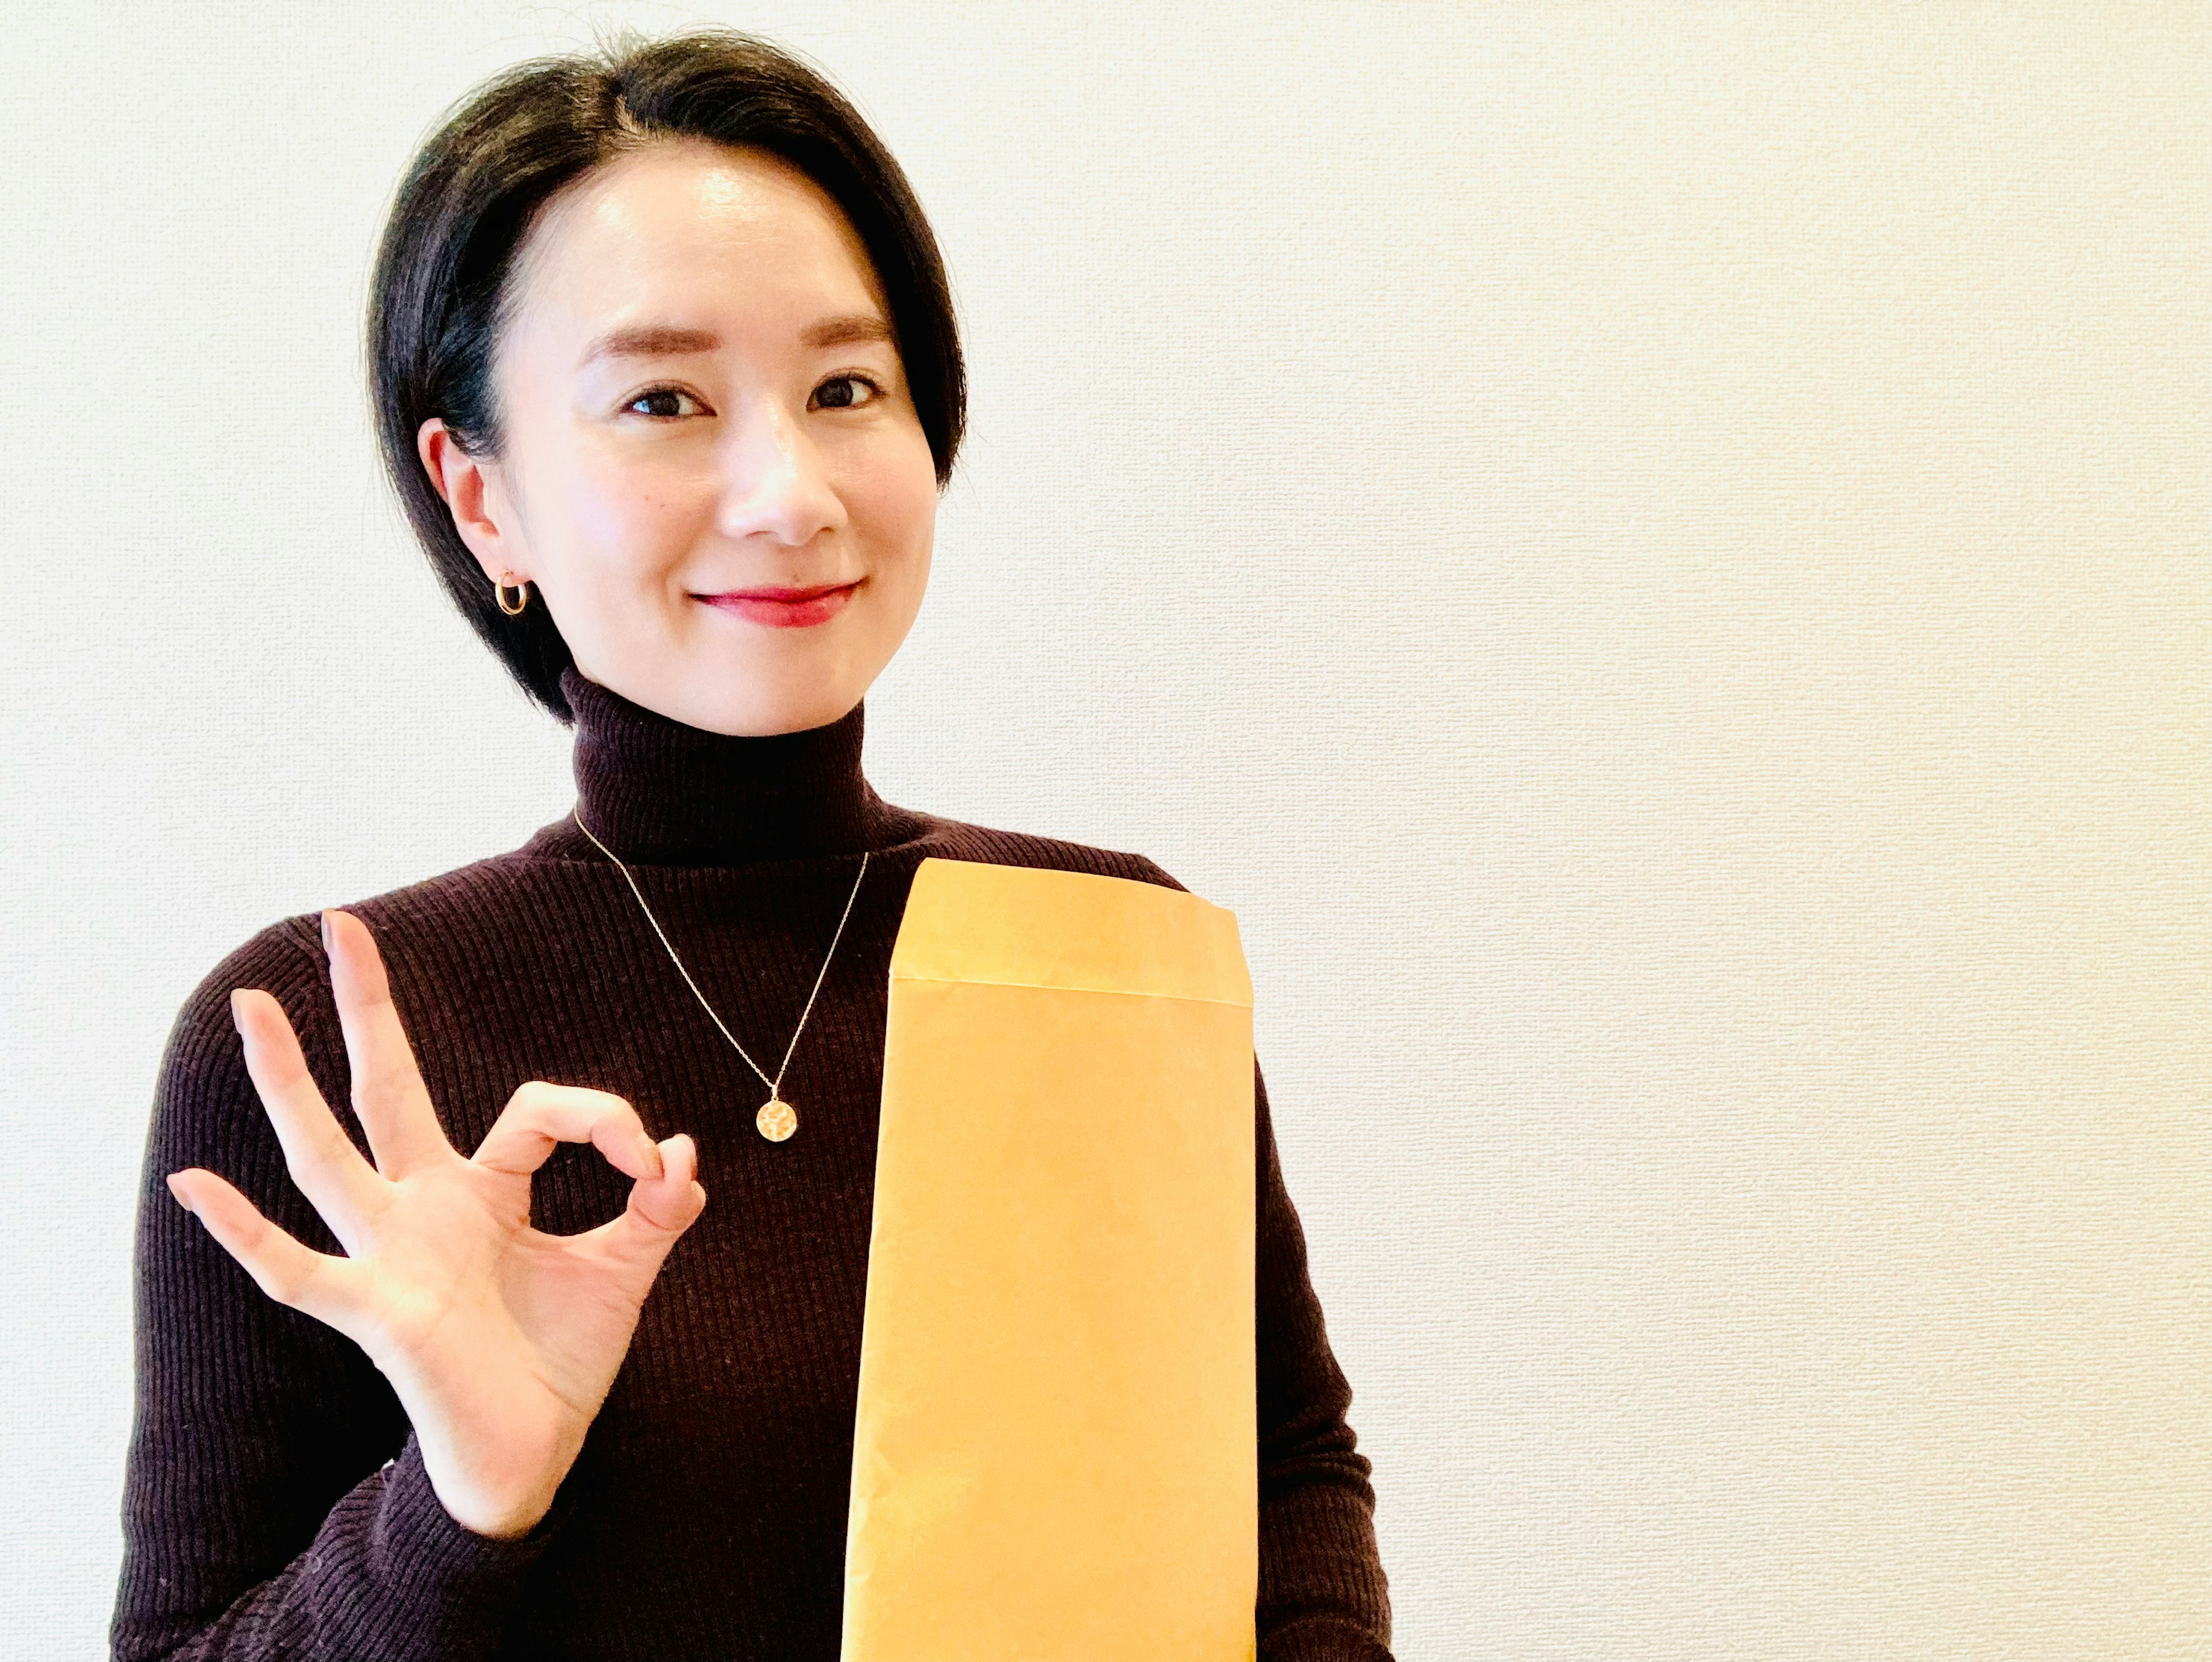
[1054, 1452]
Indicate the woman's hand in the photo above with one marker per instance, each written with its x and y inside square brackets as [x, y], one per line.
[501, 1341]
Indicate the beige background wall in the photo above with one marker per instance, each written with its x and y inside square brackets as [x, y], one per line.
[1656, 556]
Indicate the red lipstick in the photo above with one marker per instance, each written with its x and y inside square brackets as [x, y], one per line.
[784, 608]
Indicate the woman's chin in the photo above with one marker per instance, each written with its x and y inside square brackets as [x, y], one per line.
[753, 699]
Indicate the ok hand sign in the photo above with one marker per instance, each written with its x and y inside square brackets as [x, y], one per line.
[501, 1341]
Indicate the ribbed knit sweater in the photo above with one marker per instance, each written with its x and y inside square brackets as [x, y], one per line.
[276, 1503]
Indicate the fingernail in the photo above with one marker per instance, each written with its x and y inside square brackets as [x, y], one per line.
[653, 1156]
[324, 918]
[178, 1195]
[235, 1019]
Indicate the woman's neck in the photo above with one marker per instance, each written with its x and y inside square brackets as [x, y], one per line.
[658, 792]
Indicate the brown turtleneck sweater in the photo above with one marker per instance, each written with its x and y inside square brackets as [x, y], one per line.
[275, 1504]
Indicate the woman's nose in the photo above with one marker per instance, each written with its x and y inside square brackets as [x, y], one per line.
[777, 483]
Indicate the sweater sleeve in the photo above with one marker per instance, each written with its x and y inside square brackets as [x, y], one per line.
[1323, 1596]
[275, 1502]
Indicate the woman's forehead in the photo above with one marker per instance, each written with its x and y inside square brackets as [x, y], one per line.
[708, 231]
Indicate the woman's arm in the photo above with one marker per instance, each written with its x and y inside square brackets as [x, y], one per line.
[261, 1519]
[1323, 1597]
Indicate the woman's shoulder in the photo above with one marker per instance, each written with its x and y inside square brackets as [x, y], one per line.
[955, 839]
[284, 956]
[281, 957]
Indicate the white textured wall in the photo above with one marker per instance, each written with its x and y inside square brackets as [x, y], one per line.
[1657, 555]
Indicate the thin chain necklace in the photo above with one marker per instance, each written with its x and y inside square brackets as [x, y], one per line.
[777, 1119]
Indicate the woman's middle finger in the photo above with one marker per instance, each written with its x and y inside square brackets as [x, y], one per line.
[388, 1091]
[322, 1158]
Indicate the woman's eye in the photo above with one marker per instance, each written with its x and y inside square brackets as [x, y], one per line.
[665, 402]
[846, 392]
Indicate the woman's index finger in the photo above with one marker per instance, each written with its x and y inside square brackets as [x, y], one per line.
[388, 1093]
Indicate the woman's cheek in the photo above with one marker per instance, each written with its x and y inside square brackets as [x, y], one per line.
[639, 524]
[901, 498]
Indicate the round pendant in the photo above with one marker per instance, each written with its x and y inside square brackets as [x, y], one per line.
[776, 1119]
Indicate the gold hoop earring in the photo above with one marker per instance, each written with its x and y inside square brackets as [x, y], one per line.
[499, 588]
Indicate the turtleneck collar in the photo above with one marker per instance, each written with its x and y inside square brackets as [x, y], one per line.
[661, 793]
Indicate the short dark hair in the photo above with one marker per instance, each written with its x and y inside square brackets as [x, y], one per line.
[441, 273]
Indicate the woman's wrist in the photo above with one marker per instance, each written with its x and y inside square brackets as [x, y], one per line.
[499, 1513]
[414, 1509]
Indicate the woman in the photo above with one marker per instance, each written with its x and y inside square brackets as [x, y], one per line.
[666, 374]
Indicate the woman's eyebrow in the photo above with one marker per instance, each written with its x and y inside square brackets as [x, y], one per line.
[649, 340]
[846, 331]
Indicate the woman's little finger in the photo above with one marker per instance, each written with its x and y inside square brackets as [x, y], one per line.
[314, 1283]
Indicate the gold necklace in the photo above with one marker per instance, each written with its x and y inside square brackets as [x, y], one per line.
[777, 1119]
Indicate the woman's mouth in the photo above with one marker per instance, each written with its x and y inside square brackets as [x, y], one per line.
[784, 608]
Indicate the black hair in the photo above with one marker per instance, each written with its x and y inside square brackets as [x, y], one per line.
[442, 266]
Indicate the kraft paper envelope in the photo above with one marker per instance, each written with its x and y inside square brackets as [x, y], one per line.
[1057, 1452]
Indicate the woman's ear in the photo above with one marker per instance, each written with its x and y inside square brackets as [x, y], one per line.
[473, 493]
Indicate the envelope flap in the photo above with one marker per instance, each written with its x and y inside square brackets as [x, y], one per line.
[1020, 926]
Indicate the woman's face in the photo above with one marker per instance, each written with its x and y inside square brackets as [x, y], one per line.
[702, 411]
